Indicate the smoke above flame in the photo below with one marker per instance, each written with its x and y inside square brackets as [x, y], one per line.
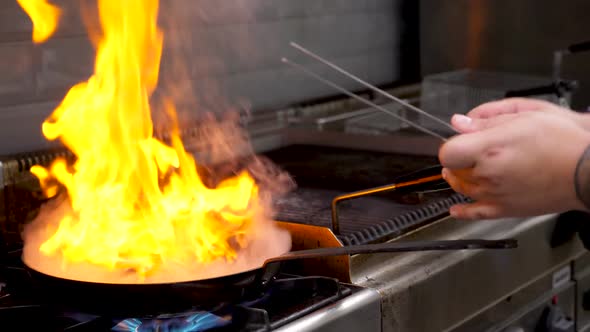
[137, 208]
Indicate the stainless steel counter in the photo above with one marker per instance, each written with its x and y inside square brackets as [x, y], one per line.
[442, 291]
[358, 312]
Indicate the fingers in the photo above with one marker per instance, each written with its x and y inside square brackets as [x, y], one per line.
[475, 188]
[508, 106]
[465, 124]
[462, 123]
[479, 117]
[476, 211]
[465, 150]
[461, 152]
[464, 182]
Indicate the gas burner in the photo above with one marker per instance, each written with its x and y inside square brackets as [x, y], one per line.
[188, 322]
[284, 300]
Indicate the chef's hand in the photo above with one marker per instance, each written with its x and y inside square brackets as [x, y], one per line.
[517, 106]
[515, 164]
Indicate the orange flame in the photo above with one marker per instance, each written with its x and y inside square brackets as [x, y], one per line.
[136, 203]
[44, 16]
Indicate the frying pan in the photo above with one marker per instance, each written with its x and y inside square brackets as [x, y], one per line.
[139, 300]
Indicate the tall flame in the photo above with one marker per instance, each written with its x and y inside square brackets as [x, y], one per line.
[44, 16]
[136, 202]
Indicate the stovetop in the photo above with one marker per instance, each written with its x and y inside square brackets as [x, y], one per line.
[402, 291]
[323, 173]
[286, 299]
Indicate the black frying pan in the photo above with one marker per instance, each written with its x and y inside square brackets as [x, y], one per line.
[138, 300]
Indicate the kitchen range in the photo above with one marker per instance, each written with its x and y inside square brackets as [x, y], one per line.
[330, 216]
[543, 281]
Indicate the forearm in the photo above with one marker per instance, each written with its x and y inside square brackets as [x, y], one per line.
[583, 119]
[582, 172]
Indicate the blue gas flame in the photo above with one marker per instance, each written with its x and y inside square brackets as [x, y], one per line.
[193, 322]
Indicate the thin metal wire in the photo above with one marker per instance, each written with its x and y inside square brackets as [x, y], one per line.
[370, 86]
[361, 99]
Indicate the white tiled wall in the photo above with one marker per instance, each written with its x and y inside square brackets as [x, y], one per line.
[215, 49]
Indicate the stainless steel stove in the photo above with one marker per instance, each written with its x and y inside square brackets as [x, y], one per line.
[541, 286]
[544, 280]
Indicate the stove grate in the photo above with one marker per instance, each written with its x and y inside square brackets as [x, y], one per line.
[365, 220]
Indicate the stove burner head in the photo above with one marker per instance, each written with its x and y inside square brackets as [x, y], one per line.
[189, 322]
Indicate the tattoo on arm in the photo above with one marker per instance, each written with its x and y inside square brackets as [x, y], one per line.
[582, 178]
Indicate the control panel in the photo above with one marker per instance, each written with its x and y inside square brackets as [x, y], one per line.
[554, 312]
[546, 305]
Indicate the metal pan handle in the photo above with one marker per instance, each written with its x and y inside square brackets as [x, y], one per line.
[397, 246]
[272, 266]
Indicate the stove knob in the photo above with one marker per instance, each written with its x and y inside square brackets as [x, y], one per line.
[567, 225]
[565, 228]
[555, 320]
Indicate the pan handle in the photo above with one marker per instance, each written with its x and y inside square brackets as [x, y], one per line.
[396, 247]
[272, 266]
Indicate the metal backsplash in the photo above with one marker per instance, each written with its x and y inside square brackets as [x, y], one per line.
[507, 36]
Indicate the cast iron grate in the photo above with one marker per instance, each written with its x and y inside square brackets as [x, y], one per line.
[403, 223]
[366, 220]
[323, 173]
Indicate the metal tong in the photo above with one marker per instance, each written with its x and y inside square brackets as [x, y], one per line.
[368, 85]
[434, 171]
